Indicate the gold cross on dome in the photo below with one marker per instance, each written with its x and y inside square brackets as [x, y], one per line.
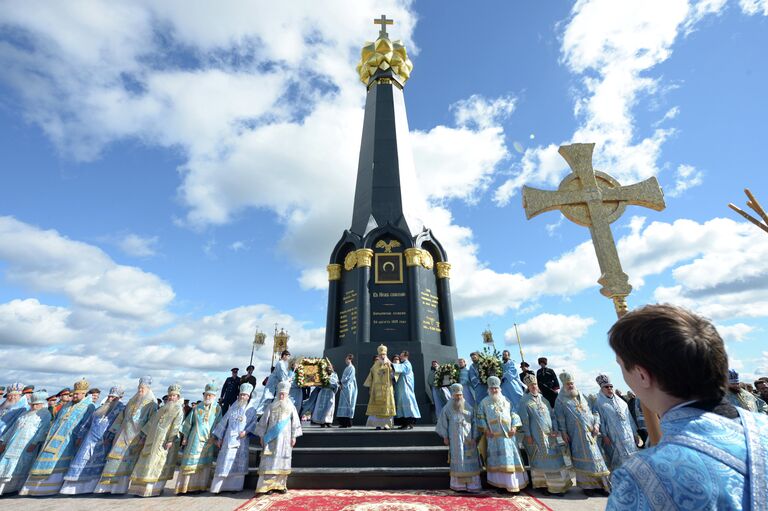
[594, 199]
[383, 21]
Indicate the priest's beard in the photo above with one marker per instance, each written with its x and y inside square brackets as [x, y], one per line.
[106, 408]
[572, 393]
[458, 405]
[281, 406]
[208, 400]
[497, 398]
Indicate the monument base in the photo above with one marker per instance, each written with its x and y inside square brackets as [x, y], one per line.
[363, 458]
[420, 356]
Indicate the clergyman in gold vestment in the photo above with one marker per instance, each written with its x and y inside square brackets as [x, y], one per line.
[381, 402]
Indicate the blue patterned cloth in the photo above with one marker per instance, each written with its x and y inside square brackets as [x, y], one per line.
[9, 413]
[617, 425]
[405, 395]
[575, 417]
[280, 373]
[537, 422]
[511, 386]
[92, 454]
[439, 395]
[479, 389]
[322, 413]
[196, 429]
[68, 429]
[233, 456]
[458, 427]
[348, 395]
[639, 416]
[469, 399]
[703, 462]
[296, 394]
[26, 433]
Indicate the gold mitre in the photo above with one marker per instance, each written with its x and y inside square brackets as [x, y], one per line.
[81, 386]
[384, 54]
[381, 350]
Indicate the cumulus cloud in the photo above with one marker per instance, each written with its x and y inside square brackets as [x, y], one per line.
[556, 337]
[46, 261]
[612, 46]
[737, 332]
[30, 323]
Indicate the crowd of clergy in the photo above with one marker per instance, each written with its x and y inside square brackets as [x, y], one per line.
[76, 444]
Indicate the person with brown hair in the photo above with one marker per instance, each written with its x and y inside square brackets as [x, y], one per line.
[711, 454]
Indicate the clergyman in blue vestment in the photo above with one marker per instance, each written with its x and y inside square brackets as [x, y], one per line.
[456, 425]
[85, 470]
[348, 395]
[405, 393]
[580, 428]
[618, 430]
[511, 386]
[712, 455]
[64, 437]
[20, 444]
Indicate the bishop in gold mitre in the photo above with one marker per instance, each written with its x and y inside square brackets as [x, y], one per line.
[381, 402]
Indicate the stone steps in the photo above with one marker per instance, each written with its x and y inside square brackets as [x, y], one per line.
[360, 458]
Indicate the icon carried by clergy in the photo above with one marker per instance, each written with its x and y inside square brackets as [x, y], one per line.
[389, 268]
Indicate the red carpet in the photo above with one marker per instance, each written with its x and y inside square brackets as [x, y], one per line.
[413, 500]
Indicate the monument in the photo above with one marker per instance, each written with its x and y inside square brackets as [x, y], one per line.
[388, 284]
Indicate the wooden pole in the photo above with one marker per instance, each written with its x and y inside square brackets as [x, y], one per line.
[522, 358]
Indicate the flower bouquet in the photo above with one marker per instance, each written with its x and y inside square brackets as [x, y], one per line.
[446, 375]
[489, 364]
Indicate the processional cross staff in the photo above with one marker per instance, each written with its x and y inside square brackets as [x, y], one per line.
[594, 199]
[756, 207]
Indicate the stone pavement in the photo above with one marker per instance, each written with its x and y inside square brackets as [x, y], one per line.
[574, 500]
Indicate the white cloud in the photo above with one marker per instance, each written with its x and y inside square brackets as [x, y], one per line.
[549, 332]
[30, 323]
[481, 113]
[612, 45]
[752, 7]
[556, 337]
[737, 332]
[686, 177]
[44, 260]
[138, 246]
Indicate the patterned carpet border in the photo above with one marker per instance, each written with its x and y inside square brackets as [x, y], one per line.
[392, 500]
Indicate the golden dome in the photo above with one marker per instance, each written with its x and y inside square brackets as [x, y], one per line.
[384, 54]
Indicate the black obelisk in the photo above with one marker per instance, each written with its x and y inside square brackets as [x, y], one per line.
[387, 285]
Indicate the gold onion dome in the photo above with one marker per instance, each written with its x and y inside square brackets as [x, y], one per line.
[382, 55]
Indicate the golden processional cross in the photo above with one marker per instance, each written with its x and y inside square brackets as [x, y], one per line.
[594, 199]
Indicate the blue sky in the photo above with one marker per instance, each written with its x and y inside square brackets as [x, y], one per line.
[176, 175]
